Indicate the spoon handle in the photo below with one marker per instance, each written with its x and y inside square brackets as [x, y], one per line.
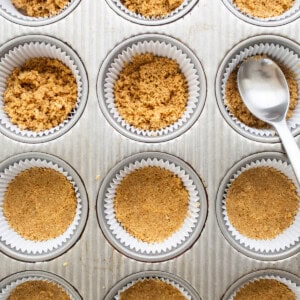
[290, 146]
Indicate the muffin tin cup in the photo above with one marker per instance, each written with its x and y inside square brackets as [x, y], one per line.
[290, 15]
[10, 283]
[165, 280]
[124, 12]
[161, 46]
[282, 246]
[14, 54]
[10, 12]
[187, 291]
[277, 48]
[290, 280]
[180, 240]
[11, 242]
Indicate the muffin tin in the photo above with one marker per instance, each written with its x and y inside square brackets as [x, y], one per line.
[92, 146]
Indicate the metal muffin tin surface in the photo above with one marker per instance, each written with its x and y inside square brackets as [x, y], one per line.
[93, 147]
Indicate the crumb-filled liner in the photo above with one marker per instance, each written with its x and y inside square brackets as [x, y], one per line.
[9, 236]
[158, 48]
[8, 289]
[119, 7]
[284, 241]
[278, 53]
[16, 58]
[183, 291]
[291, 285]
[14, 14]
[286, 15]
[178, 237]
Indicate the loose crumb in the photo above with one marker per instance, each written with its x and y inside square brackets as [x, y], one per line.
[38, 8]
[262, 202]
[152, 8]
[264, 8]
[148, 99]
[151, 203]
[38, 290]
[237, 107]
[39, 204]
[265, 289]
[40, 95]
[153, 289]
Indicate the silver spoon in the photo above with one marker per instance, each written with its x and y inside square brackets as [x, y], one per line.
[265, 92]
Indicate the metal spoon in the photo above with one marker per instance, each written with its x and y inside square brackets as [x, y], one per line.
[265, 92]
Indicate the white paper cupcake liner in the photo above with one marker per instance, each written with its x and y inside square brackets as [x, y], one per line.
[283, 241]
[160, 49]
[16, 58]
[9, 236]
[183, 291]
[10, 9]
[176, 238]
[121, 7]
[291, 285]
[294, 9]
[7, 290]
[278, 53]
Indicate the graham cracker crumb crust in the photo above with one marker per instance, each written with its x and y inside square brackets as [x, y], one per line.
[38, 290]
[265, 289]
[153, 289]
[262, 202]
[152, 8]
[264, 8]
[148, 99]
[40, 204]
[151, 203]
[38, 8]
[237, 108]
[40, 94]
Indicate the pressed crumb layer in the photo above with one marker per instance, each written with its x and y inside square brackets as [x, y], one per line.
[153, 289]
[152, 8]
[38, 8]
[40, 94]
[40, 204]
[38, 290]
[262, 202]
[151, 92]
[236, 106]
[151, 203]
[265, 289]
[264, 8]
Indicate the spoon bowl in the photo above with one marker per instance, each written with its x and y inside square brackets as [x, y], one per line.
[265, 92]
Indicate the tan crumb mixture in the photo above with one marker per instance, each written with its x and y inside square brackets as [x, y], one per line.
[40, 94]
[151, 92]
[264, 8]
[265, 289]
[40, 8]
[40, 204]
[152, 289]
[151, 203]
[262, 202]
[237, 107]
[152, 8]
[38, 290]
